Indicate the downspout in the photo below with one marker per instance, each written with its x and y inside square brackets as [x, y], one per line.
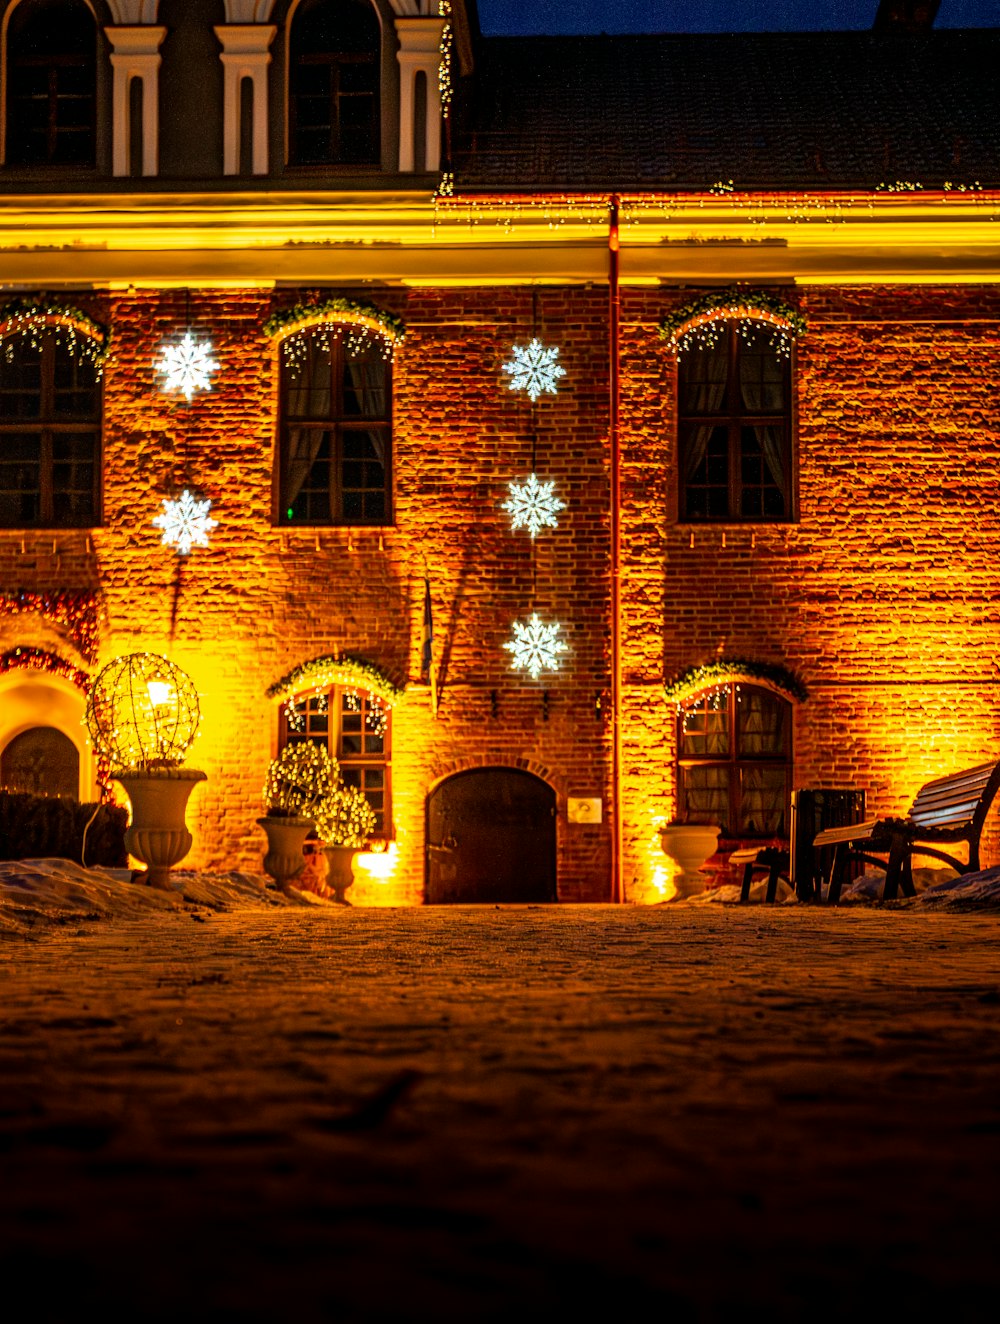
[614, 385]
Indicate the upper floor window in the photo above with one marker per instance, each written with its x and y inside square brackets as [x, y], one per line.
[51, 84]
[734, 750]
[335, 447]
[50, 434]
[354, 727]
[735, 427]
[334, 78]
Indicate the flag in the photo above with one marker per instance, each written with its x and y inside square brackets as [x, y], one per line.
[427, 637]
[427, 666]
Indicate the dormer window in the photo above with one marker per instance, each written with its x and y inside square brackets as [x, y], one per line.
[334, 79]
[51, 84]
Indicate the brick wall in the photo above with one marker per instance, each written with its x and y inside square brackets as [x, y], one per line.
[882, 595]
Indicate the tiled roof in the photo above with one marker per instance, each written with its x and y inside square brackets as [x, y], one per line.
[825, 110]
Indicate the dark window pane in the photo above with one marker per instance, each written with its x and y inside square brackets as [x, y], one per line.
[344, 477]
[734, 426]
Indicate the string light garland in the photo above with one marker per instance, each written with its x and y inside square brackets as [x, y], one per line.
[533, 505]
[535, 647]
[534, 368]
[75, 613]
[186, 366]
[357, 324]
[185, 522]
[702, 322]
[142, 713]
[40, 659]
[322, 672]
[721, 674]
[445, 87]
[29, 319]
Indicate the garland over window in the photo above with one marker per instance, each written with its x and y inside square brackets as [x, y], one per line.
[359, 324]
[324, 671]
[700, 322]
[40, 659]
[75, 613]
[78, 332]
[730, 671]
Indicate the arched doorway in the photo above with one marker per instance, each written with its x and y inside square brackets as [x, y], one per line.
[491, 839]
[41, 761]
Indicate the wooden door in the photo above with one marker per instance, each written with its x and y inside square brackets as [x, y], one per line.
[491, 839]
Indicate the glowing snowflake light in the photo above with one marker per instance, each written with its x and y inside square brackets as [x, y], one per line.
[533, 505]
[535, 647]
[187, 367]
[534, 369]
[185, 523]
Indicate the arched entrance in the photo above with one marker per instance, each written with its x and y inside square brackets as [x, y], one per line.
[41, 761]
[491, 838]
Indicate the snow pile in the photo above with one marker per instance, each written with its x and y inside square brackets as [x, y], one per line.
[55, 892]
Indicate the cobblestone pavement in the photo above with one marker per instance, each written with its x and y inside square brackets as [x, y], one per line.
[469, 1113]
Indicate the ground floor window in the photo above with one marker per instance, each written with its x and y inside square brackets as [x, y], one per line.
[734, 761]
[354, 727]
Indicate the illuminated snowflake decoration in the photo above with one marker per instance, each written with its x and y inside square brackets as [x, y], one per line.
[534, 369]
[533, 505]
[535, 647]
[185, 523]
[187, 367]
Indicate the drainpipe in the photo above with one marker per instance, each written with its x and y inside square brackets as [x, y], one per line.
[614, 317]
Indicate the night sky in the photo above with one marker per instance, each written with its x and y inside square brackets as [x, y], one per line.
[521, 17]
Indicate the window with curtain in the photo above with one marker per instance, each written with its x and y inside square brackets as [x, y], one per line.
[334, 82]
[734, 429]
[50, 435]
[354, 727]
[51, 84]
[335, 449]
[734, 761]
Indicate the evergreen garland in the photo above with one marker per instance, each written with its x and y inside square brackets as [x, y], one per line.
[329, 670]
[697, 322]
[730, 671]
[334, 319]
[28, 318]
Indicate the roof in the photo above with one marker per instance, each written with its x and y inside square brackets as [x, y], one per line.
[802, 111]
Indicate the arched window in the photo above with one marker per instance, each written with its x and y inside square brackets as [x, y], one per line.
[51, 84]
[41, 761]
[334, 76]
[354, 726]
[734, 427]
[734, 758]
[335, 447]
[50, 431]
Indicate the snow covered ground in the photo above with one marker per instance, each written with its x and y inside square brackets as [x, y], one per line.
[37, 893]
[226, 1104]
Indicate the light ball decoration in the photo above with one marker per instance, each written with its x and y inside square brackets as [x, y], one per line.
[142, 713]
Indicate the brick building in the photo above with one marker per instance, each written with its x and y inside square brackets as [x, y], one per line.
[770, 268]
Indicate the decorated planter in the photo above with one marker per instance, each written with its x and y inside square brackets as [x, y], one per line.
[286, 836]
[689, 845]
[158, 834]
[340, 877]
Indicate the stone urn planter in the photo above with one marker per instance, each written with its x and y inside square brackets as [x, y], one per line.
[286, 835]
[689, 845]
[158, 834]
[341, 872]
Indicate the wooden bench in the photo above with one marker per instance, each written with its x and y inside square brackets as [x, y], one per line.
[755, 859]
[949, 810]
